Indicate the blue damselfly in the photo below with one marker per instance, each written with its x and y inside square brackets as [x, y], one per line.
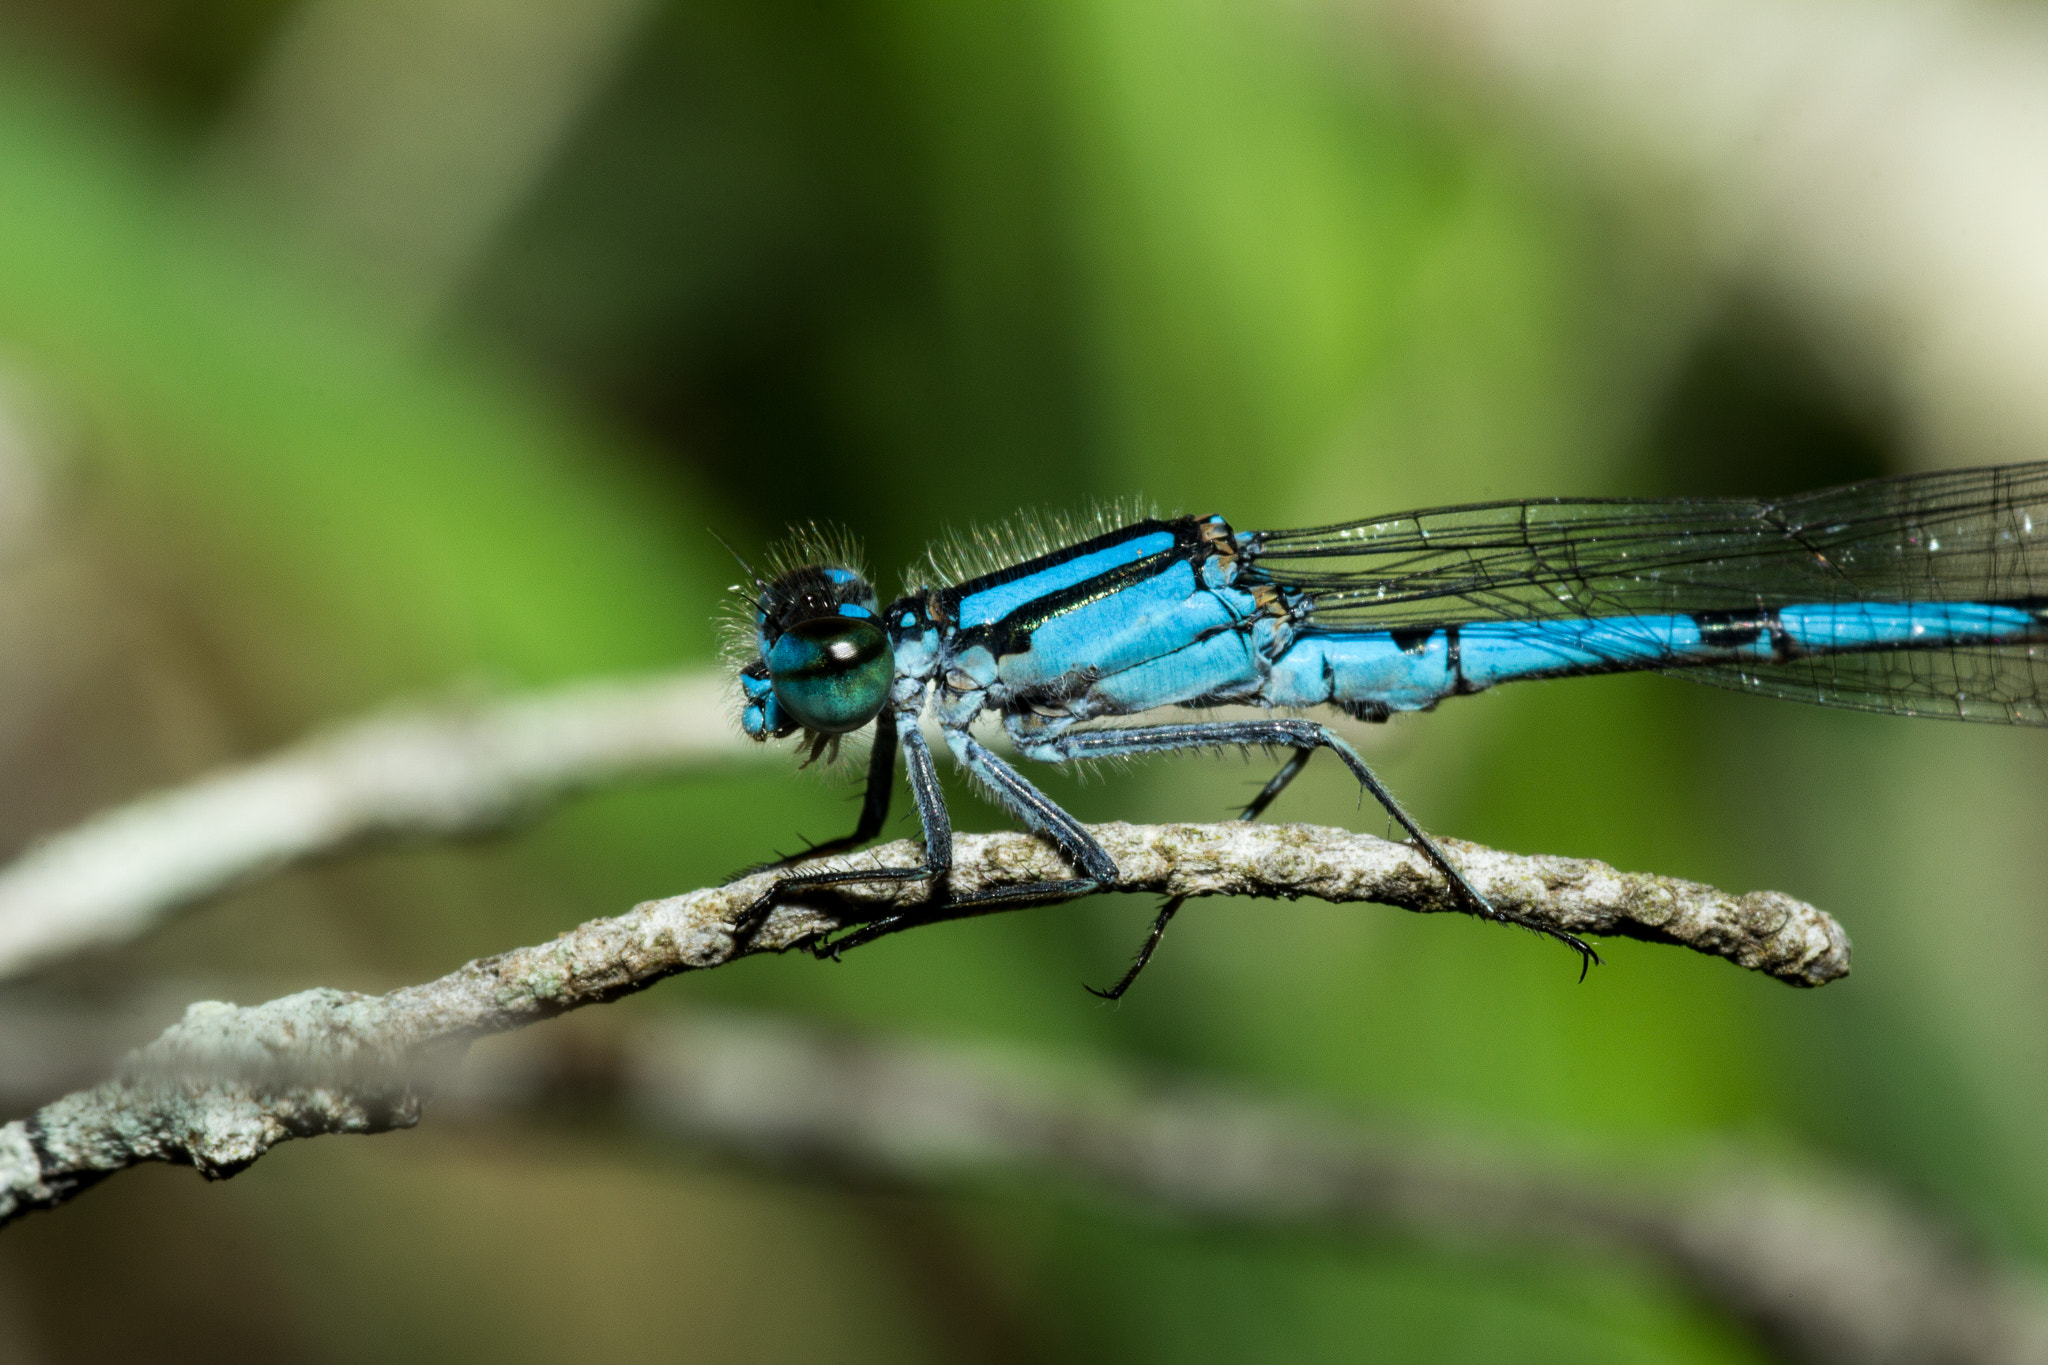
[1915, 595]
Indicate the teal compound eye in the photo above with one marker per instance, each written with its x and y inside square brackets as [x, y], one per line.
[831, 673]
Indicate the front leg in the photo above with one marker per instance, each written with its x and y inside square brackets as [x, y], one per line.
[874, 805]
[1038, 813]
[931, 811]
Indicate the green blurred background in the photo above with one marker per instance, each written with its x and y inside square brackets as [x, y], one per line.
[365, 350]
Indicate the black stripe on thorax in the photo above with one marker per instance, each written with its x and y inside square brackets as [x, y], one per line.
[1185, 531]
[1012, 633]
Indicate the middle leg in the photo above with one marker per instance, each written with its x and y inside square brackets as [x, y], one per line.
[1041, 815]
[931, 811]
[874, 804]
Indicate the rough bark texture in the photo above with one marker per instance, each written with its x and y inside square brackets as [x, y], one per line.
[229, 1082]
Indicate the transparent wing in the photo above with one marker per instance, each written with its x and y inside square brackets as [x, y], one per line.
[1962, 536]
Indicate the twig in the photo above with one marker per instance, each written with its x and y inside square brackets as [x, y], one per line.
[433, 772]
[1826, 1270]
[227, 1083]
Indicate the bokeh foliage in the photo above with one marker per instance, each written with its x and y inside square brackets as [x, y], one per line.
[904, 265]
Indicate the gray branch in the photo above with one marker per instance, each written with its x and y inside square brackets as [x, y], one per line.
[227, 1083]
[1825, 1270]
[434, 772]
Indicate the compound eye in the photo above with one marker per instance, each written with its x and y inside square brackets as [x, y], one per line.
[831, 673]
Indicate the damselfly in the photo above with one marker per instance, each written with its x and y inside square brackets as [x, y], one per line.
[1922, 595]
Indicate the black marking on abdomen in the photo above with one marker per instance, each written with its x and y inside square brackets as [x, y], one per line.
[2036, 607]
[1734, 629]
[1454, 663]
[1783, 647]
[1411, 639]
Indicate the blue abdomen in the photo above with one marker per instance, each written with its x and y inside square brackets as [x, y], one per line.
[1411, 670]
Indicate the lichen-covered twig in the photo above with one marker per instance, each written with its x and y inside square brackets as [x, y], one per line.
[227, 1083]
[435, 772]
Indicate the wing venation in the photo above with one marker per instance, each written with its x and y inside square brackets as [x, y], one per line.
[1954, 536]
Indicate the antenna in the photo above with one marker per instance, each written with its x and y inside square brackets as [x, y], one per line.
[747, 568]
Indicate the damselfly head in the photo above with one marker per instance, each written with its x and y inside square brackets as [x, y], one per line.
[820, 660]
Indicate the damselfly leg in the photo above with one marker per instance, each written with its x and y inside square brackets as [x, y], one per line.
[1023, 799]
[1252, 811]
[1038, 813]
[1298, 735]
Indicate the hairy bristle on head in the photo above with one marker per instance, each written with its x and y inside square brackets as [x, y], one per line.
[814, 545]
